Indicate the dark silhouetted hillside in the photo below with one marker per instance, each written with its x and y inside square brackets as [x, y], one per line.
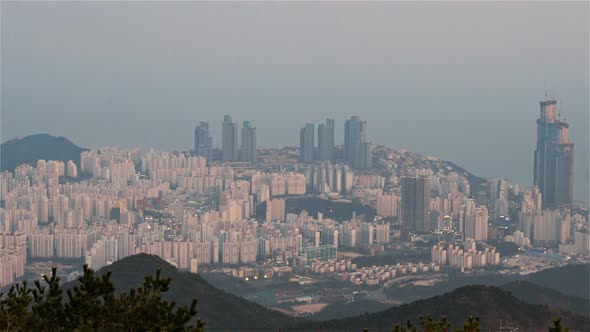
[535, 294]
[223, 311]
[32, 148]
[491, 304]
[570, 279]
[218, 309]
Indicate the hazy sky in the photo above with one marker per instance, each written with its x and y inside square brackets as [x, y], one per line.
[461, 81]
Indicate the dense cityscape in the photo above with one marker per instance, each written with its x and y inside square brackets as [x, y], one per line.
[304, 213]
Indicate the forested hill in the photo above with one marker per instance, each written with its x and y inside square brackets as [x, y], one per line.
[223, 311]
[29, 149]
[218, 309]
[491, 304]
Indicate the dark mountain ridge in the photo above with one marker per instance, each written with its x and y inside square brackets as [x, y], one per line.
[570, 279]
[493, 305]
[535, 294]
[223, 311]
[218, 309]
[29, 149]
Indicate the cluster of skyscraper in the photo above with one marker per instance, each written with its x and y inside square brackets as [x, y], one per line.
[325, 149]
[229, 141]
[357, 151]
[241, 215]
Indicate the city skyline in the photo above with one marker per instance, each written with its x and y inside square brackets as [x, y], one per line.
[475, 79]
[193, 213]
[244, 150]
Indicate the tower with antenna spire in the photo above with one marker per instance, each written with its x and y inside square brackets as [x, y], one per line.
[554, 157]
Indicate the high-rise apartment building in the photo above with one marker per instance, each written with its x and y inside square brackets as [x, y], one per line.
[326, 140]
[366, 235]
[554, 157]
[229, 139]
[306, 143]
[275, 209]
[382, 233]
[415, 203]
[356, 148]
[71, 169]
[387, 205]
[476, 224]
[203, 141]
[248, 147]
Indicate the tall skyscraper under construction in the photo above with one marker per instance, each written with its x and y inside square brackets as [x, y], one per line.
[554, 157]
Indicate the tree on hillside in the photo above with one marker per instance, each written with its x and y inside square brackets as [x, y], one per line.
[443, 325]
[94, 306]
[557, 326]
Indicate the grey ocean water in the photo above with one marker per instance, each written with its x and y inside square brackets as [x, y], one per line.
[460, 81]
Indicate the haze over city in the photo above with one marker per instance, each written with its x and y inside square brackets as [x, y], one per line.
[460, 81]
[294, 166]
